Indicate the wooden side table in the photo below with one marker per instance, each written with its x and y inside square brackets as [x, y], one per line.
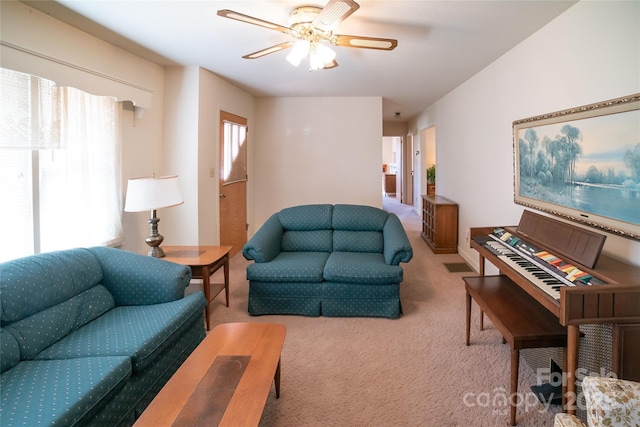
[204, 261]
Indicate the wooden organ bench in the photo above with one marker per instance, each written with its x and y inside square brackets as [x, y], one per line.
[522, 323]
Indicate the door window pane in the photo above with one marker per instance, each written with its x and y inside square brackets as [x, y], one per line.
[235, 138]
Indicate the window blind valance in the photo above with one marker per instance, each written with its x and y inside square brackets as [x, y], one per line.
[35, 111]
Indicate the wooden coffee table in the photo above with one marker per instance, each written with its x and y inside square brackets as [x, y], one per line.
[204, 261]
[224, 382]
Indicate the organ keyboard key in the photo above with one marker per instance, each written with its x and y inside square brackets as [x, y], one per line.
[543, 269]
[535, 275]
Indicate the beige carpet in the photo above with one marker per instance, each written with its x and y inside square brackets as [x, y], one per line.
[411, 371]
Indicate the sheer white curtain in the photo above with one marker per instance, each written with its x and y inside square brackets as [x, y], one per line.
[30, 111]
[66, 192]
[80, 183]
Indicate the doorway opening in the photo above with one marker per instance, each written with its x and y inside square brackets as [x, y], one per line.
[392, 167]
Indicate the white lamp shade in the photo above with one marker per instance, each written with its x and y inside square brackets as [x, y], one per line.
[299, 51]
[321, 57]
[147, 194]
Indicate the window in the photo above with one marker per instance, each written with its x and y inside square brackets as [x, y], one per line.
[235, 157]
[59, 167]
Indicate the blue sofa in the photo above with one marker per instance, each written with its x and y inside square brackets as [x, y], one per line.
[89, 336]
[331, 260]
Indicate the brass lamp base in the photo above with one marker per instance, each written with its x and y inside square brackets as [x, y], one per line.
[155, 252]
[154, 239]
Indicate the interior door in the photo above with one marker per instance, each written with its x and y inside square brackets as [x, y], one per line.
[233, 181]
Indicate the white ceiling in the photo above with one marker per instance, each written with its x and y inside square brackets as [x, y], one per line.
[440, 43]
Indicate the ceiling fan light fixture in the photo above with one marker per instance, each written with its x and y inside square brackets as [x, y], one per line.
[303, 15]
[298, 52]
[321, 57]
[311, 26]
[326, 53]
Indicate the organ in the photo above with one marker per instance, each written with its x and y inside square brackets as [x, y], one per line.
[559, 266]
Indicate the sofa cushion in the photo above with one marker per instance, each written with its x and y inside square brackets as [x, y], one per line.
[360, 267]
[39, 331]
[306, 217]
[290, 267]
[358, 218]
[60, 392]
[358, 241]
[32, 284]
[139, 332]
[307, 241]
[9, 350]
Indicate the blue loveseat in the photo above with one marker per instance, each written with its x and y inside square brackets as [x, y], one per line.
[89, 336]
[331, 260]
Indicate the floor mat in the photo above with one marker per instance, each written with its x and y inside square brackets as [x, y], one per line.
[458, 267]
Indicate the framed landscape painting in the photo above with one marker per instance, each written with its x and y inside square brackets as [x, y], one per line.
[583, 164]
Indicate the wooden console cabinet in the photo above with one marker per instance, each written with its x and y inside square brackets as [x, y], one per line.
[389, 184]
[440, 224]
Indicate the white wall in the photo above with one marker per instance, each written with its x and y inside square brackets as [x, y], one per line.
[179, 224]
[216, 94]
[588, 54]
[394, 128]
[194, 98]
[430, 148]
[314, 150]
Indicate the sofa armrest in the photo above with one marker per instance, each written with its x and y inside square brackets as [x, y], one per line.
[611, 401]
[266, 243]
[135, 279]
[397, 247]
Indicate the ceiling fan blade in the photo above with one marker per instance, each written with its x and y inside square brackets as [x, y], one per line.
[226, 13]
[272, 49]
[333, 13]
[364, 42]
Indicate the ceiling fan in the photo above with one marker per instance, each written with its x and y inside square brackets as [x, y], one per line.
[311, 26]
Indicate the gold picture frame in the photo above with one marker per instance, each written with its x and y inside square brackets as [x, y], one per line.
[583, 164]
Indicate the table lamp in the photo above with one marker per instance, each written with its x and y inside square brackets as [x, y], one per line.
[150, 194]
